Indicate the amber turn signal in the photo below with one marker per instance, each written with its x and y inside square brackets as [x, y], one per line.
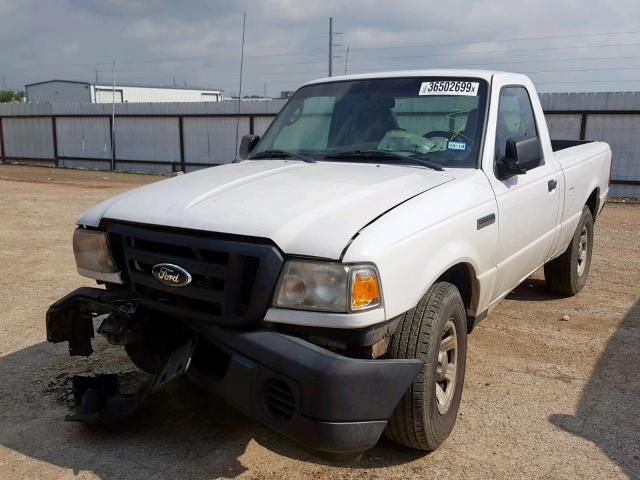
[365, 288]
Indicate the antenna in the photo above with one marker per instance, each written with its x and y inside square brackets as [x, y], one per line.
[330, 46]
[244, 23]
[346, 62]
[113, 118]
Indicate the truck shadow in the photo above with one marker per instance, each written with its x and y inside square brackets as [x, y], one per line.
[532, 290]
[182, 432]
[607, 413]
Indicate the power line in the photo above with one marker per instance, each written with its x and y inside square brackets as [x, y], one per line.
[589, 81]
[264, 68]
[542, 60]
[302, 52]
[270, 72]
[549, 37]
[485, 64]
[449, 54]
[315, 51]
[491, 52]
[595, 69]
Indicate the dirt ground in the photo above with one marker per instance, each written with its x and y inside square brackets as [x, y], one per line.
[544, 398]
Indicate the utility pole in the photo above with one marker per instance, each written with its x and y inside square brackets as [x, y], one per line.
[346, 61]
[4, 82]
[174, 81]
[97, 71]
[113, 119]
[330, 46]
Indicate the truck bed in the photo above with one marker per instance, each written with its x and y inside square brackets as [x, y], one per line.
[558, 145]
[585, 166]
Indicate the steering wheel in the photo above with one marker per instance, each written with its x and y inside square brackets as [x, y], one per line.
[294, 116]
[439, 134]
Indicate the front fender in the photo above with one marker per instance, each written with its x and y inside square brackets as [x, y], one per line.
[414, 244]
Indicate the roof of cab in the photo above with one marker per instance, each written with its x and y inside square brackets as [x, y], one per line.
[483, 74]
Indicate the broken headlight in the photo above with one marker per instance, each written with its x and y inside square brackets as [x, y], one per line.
[93, 258]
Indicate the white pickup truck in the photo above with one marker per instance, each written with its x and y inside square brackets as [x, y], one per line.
[324, 282]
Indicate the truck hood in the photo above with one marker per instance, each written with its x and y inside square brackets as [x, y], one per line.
[305, 208]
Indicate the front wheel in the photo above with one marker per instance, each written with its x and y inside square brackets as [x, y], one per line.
[434, 332]
[146, 359]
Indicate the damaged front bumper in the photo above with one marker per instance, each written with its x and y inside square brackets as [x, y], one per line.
[318, 398]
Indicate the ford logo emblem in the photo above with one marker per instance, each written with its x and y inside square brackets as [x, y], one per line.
[171, 275]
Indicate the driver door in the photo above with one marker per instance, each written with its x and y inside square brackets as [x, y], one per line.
[528, 204]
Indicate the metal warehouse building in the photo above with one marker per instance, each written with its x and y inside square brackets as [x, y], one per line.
[71, 91]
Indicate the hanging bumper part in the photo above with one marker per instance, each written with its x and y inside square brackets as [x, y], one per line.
[323, 400]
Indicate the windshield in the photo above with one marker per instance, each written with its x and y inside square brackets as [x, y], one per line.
[434, 120]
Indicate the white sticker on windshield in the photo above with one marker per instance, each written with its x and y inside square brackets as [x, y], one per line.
[449, 87]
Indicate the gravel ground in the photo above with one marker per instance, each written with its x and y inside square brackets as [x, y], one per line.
[544, 397]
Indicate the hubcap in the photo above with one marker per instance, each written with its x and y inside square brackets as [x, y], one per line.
[447, 370]
[582, 251]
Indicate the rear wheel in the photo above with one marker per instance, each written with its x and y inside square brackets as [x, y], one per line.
[434, 332]
[568, 273]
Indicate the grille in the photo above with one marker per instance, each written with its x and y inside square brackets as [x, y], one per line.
[232, 279]
[279, 399]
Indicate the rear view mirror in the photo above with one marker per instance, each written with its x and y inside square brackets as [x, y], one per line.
[247, 144]
[521, 154]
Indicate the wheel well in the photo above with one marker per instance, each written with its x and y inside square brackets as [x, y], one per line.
[463, 277]
[592, 202]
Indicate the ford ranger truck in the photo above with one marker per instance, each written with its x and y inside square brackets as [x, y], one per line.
[324, 283]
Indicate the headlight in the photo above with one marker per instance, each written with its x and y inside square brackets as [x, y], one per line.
[92, 252]
[329, 287]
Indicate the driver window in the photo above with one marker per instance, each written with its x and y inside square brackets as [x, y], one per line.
[515, 117]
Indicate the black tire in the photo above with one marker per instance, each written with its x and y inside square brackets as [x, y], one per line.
[567, 274]
[417, 421]
[145, 359]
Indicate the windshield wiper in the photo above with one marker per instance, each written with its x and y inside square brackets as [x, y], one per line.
[382, 155]
[281, 154]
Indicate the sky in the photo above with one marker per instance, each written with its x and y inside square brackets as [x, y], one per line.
[564, 45]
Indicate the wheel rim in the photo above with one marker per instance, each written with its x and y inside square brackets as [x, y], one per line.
[582, 250]
[447, 369]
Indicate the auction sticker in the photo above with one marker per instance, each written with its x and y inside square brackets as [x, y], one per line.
[449, 87]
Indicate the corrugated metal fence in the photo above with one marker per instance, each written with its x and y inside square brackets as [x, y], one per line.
[612, 117]
[152, 137]
[169, 137]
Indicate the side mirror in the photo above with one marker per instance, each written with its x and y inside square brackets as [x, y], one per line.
[247, 144]
[521, 154]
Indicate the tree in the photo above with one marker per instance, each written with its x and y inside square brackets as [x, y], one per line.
[7, 96]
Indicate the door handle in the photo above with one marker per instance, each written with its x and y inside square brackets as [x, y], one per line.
[552, 184]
